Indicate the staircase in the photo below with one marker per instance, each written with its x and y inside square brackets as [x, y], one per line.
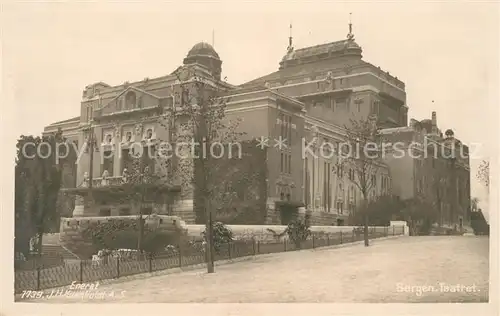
[57, 251]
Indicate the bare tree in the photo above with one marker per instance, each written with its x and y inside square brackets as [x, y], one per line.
[206, 138]
[483, 174]
[360, 160]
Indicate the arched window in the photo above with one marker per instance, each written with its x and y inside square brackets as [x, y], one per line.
[130, 100]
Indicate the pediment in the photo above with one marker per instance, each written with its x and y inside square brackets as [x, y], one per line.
[130, 99]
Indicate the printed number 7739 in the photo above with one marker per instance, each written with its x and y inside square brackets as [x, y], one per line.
[32, 294]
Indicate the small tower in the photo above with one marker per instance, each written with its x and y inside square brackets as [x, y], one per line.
[290, 41]
[350, 35]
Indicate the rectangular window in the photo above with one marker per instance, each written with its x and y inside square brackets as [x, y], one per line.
[329, 188]
[324, 185]
[147, 210]
[107, 164]
[289, 130]
[282, 163]
[126, 160]
[285, 156]
[289, 164]
[306, 186]
[341, 104]
[105, 212]
[124, 211]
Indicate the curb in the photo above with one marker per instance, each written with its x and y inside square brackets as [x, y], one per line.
[198, 266]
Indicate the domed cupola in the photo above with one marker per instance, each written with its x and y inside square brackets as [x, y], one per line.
[204, 54]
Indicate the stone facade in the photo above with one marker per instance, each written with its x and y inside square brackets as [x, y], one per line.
[316, 92]
[431, 165]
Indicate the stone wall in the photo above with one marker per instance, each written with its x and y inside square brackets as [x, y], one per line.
[319, 218]
[71, 230]
[262, 234]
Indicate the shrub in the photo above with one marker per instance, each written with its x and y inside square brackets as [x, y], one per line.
[298, 231]
[118, 234]
[222, 236]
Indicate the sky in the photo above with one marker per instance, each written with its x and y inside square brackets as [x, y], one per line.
[446, 52]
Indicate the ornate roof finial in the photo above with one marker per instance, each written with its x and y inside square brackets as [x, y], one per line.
[350, 36]
[290, 44]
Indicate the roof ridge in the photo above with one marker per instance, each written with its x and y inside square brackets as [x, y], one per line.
[324, 44]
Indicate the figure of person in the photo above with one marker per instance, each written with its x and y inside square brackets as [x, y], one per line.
[124, 175]
[105, 176]
[85, 179]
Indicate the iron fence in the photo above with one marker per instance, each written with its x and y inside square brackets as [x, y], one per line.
[88, 271]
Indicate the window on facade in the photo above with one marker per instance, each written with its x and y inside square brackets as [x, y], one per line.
[282, 196]
[340, 171]
[288, 197]
[128, 137]
[289, 130]
[105, 212]
[108, 162]
[130, 100]
[340, 207]
[351, 174]
[125, 211]
[149, 154]
[149, 133]
[89, 113]
[341, 104]
[289, 164]
[282, 162]
[126, 159]
[147, 210]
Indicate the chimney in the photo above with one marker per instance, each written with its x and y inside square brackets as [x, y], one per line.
[434, 123]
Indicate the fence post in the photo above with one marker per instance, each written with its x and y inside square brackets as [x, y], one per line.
[150, 263]
[258, 246]
[284, 243]
[81, 271]
[117, 267]
[313, 241]
[229, 249]
[38, 271]
[393, 233]
[328, 240]
[180, 256]
[341, 237]
[353, 235]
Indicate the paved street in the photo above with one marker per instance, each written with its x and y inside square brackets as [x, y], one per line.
[388, 271]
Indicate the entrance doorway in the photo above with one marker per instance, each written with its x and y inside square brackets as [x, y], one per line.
[288, 211]
[340, 222]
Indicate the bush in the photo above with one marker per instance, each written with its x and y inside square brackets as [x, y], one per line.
[298, 231]
[118, 234]
[222, 236]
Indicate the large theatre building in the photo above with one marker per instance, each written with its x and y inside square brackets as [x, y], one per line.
[315, 92]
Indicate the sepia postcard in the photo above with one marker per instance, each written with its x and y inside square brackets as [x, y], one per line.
[222, 157]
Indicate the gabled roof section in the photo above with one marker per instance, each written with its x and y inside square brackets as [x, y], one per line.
[129, 89]
[140, 100]
[73, 119]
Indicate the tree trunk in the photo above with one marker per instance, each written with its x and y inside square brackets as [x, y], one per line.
[365, 222]
[141, 228]
[209, 237]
